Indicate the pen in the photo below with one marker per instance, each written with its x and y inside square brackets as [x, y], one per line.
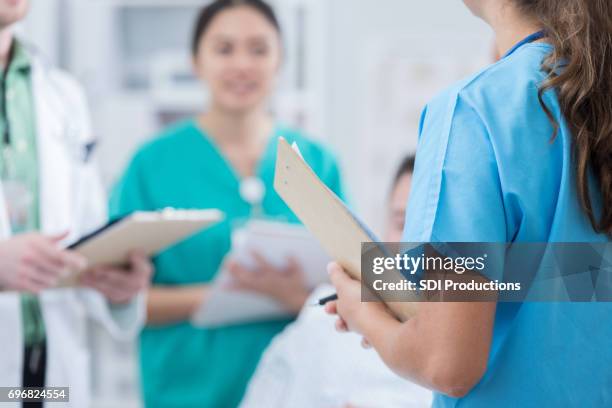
[325, 300]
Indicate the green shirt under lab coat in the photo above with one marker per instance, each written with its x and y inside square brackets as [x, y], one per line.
[184, 366]
[19, 166]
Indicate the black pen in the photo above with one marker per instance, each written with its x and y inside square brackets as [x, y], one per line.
[325, 300]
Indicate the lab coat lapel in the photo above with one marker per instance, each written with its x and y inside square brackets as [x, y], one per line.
[55, 175]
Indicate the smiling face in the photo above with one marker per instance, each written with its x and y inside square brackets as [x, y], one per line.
[238, 57]
[12, 11]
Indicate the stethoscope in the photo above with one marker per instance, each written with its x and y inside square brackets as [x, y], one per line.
[527, 40]
[6, 133]
[252, 190]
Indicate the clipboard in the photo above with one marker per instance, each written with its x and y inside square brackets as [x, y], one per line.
[275, 241]
[150, 232]
[338, 230]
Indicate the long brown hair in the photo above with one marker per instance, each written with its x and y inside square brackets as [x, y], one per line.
[580, 72]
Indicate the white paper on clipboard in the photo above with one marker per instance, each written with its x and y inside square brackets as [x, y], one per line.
[275, 241]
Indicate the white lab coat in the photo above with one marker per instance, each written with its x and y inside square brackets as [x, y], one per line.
[71, 199]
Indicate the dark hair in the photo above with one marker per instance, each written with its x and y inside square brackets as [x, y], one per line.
[579, 71]
[406, 167]
[208, 14]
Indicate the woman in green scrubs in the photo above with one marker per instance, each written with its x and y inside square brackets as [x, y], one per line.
[202, 163]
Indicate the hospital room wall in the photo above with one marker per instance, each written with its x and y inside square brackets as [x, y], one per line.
[387, 59]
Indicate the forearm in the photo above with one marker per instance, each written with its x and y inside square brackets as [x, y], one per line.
[398, 346]
[166, 305]
[445, 347]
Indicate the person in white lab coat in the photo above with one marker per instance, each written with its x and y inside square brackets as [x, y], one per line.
[50, 193]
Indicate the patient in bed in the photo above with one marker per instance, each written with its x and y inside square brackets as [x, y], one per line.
[310, 365]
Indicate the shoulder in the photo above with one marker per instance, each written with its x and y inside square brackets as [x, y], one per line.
[63, 92]
[511, 83]
[168, 143]
[61, 81]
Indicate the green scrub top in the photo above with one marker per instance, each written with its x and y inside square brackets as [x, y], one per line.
[181, 365]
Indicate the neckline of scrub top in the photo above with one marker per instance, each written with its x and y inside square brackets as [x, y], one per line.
[530, 39]
[236, 176]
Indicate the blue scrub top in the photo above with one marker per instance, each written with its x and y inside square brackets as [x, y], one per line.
[487, 171]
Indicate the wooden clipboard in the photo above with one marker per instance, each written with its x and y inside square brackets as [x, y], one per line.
[325, 216]
[149, 232]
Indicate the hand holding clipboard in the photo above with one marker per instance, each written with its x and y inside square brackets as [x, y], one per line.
[147, 232]
[338, 230]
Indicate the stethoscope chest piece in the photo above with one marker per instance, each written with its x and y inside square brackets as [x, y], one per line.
[252, 190]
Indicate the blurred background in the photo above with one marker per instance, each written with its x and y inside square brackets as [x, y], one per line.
[357, 74]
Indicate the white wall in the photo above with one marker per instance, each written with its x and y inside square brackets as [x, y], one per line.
[41, 27]
[373, 45]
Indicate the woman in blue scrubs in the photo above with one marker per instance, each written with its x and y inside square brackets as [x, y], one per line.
[520, 152]
[204, 163]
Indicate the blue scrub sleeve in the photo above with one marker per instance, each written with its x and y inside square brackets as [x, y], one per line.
[456, 194]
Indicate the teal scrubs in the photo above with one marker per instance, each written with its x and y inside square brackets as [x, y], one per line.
[487, 171]
[183, 366]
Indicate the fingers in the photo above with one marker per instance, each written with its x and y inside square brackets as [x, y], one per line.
[365, 343]
[118, 289]
[141, 265]
[253, 279]
[32, 280]
[292, 263]
[39, 246]
[74, 261]
[120, 285]
[341, 326]
[236, 269]
[113, 294]
[116, 278]
[337, 275]
[40, 259]
[292, 267]
[25, 283]
[41, 280]
[240, 273]
[40, 271]
[57, 238]
[55, 258]
[331, 308]
[242, 278]
[70, 259]
[262, 263]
